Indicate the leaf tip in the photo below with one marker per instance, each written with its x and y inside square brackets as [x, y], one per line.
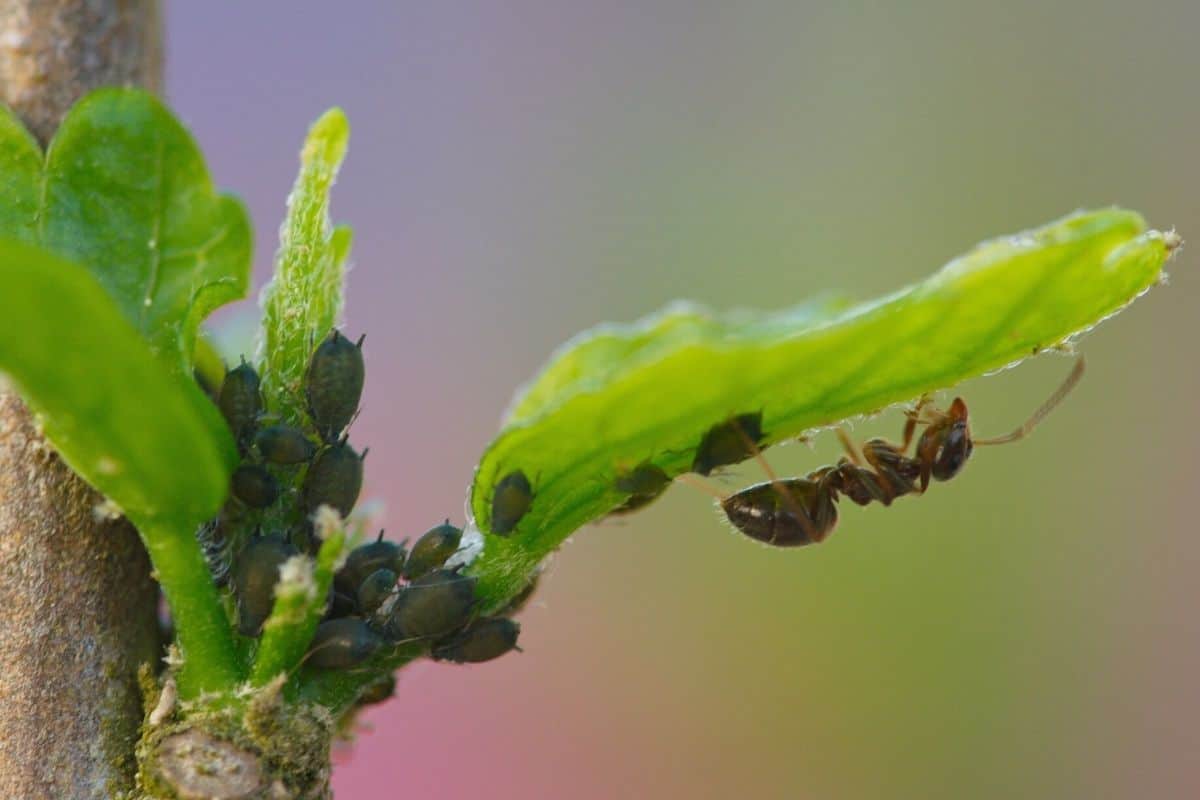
[328, 138]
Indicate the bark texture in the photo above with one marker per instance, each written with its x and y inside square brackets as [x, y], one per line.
[78, 605]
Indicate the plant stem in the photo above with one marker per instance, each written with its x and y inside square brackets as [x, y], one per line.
[338, 689]
[299, 602]
[201, 627]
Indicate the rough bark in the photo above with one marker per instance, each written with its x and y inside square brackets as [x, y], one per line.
[78, 605]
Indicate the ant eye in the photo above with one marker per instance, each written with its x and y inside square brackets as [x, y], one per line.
[955, 450]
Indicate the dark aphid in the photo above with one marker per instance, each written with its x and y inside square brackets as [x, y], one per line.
[340, 605]
[254, 485]
[378, 691]
[510, 500]
[805, 515]
[368, 558]
[728, 442]
[375, 589]
[240, 401]
[483, 641]
[432, 549]
[434, 605]
[334, 384]
[283, 444]
[343, 643]
[644, 484]
[256, 571]
[334, 479]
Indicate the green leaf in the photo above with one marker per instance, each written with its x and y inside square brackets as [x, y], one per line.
[304, 299]
[123, 190]
[649, 391]
[140, 433]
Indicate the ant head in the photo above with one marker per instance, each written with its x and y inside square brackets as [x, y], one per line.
[946, 444]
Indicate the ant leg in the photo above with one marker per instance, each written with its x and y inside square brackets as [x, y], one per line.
[848, 446]
[912, 419]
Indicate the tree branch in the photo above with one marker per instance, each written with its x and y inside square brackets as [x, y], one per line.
[78, 602]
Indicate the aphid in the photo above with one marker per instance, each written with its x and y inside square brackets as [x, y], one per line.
[240, 401]
[334, 384]
[340, 605]
[367, 558]
[283, 444]
[378, 691]
[510, 500]
[334, 479]
[256, 571]
[375, 589]
[798, 511]
[434, 605]
[343, 643]
[728, 442]
[644, 484]
[483, 641]
[254, 486]
[432, 549]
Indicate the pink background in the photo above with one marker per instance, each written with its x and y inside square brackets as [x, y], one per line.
[521, 170]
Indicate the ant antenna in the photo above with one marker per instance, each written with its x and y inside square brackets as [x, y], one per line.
[1062, 391]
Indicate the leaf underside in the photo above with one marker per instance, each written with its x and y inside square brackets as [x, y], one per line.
[621, 395]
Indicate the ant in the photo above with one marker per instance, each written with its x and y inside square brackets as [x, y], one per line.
[797, 511]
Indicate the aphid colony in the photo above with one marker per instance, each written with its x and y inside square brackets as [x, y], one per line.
[803, 510]
[382, 595]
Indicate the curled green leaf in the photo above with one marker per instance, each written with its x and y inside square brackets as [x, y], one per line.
[647, 393]
[304, 299]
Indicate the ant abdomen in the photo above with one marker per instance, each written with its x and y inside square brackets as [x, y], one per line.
[784, 513]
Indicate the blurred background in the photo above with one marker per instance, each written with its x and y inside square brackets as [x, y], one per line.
[521, 170]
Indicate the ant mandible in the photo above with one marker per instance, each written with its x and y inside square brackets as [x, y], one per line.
[797, 511]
